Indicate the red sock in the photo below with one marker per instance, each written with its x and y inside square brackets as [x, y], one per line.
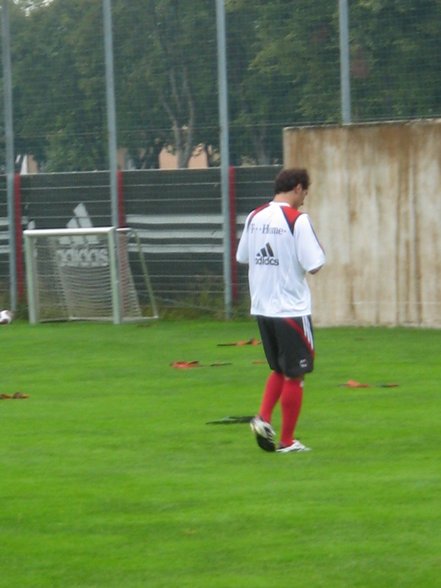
[291, 404]
[271, 395]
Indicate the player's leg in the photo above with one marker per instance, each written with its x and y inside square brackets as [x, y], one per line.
[291, 405]
[296, 358]
[274, 383]
[271, 395]
[261, 424]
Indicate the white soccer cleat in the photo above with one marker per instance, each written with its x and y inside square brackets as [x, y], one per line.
[296, 446]
[264, 433]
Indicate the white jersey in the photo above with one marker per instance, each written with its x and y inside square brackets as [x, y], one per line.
[280, 247]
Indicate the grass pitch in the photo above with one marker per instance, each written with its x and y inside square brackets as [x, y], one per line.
[110, 476]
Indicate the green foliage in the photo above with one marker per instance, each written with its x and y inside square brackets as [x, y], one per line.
[283, 70]
[165, 68]
[111, 477]
[59, 78]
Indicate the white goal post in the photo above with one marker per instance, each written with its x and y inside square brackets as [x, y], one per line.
[86, 274]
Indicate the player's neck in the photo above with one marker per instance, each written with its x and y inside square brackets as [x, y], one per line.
[285, 198]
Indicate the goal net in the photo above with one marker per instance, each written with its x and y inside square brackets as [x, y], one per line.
[86, 274]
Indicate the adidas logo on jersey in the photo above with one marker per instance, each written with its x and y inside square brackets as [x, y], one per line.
[266, 256]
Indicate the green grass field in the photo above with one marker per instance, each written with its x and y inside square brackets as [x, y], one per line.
[110, 476]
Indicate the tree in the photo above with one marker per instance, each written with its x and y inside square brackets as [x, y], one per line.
[284, 70]
[59, 86]
[395, 52]
[164, 78]
[165, 70]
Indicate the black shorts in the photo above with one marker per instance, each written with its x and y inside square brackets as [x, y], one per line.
[288, 344]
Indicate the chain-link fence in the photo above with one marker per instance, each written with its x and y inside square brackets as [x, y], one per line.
[283, 65]
[283, 69]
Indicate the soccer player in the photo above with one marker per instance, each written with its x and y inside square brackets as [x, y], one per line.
[280, 247]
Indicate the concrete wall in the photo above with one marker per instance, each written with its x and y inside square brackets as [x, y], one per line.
[375, 202]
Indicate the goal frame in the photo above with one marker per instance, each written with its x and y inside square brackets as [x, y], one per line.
[111, 233]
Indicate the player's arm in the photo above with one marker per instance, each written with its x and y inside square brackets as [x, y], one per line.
[242, 249]
[310, 252]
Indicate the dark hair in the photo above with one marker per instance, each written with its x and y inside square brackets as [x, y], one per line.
[288, 179]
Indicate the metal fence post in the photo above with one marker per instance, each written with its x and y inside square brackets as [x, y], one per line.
[10, 159]
[345, 80]
[112, 141]
[224, 148]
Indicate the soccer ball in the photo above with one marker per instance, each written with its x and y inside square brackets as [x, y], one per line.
[5, 317]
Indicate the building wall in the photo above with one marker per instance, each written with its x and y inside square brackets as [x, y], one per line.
[375, 202]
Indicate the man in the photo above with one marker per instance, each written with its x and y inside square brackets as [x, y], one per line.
[280, 247]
